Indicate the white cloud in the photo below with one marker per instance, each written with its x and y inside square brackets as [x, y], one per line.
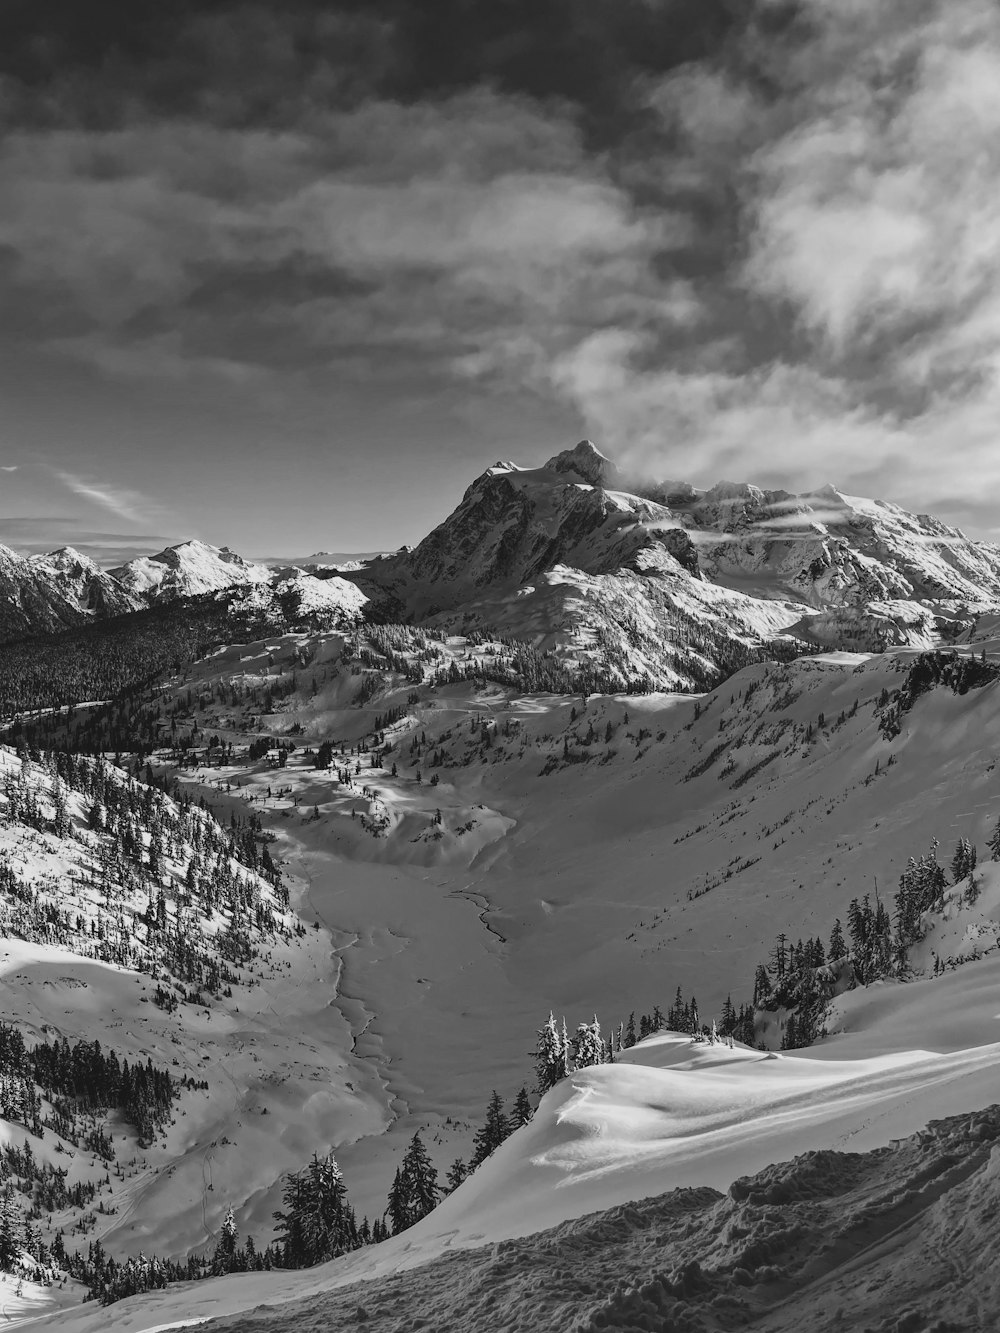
[123, 503]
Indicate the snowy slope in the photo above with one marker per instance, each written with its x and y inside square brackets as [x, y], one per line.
[79, 958]
[677, 1114]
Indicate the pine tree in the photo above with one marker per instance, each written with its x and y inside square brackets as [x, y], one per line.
[550, 1056]
[589, 1047]
[761, 987]
[457, 1173]
[317, 1222]
[416, 1188]
[493, 1132]
[629, 1038]
[522, 1112]
[963, 862]
[994, 843]
[398, 1205]
[838, 945]
[225, 1252]
[11, 1228]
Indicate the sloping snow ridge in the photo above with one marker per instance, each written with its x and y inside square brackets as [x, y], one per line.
[677, 1115]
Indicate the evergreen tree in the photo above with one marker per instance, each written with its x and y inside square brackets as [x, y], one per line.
[457, 1173]
[550, 1056]
[493, 1132]
[838, 945]
[522, 1112]
[994, 843]
[629, 1038]
[224, 1257]
[589, 1047]
[761, 987]
[398, 1205]
[963, 861]
[415, 1189]
[317, 1222]
[11, 1228]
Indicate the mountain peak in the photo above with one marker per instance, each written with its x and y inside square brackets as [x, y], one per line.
[66, 557]
[588, 463]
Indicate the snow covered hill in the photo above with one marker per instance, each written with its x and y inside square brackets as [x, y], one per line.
[136, 919]
[731, 1227]
[663, 583]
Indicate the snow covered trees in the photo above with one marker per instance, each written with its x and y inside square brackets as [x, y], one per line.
[870, 931]
[550, 1054]
[588, 1046]
[415, 1190]
[963, 861]
[317, 1222]
[224, 1258]
[11, 1228]
[921, 888]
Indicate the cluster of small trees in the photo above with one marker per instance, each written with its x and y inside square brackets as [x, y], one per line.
[81, 1078]
[959, 672]
[801, 977]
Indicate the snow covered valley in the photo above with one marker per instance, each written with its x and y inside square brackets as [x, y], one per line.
[574, 856]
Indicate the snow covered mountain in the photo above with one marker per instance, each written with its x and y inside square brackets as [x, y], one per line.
[666, 583]
[39, 594]
[65, 589]
[83, 583]
[186, 570]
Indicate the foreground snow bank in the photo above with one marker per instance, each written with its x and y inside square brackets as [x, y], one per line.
[673, 1113]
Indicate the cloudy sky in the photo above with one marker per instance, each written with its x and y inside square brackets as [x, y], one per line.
[286, 276]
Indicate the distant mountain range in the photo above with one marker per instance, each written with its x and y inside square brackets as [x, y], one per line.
[65, 589]
[654, 585]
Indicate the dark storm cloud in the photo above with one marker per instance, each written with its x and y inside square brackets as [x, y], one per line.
[750, 238]
[257, 60]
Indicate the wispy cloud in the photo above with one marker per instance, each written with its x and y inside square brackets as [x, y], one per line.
[118, 500]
